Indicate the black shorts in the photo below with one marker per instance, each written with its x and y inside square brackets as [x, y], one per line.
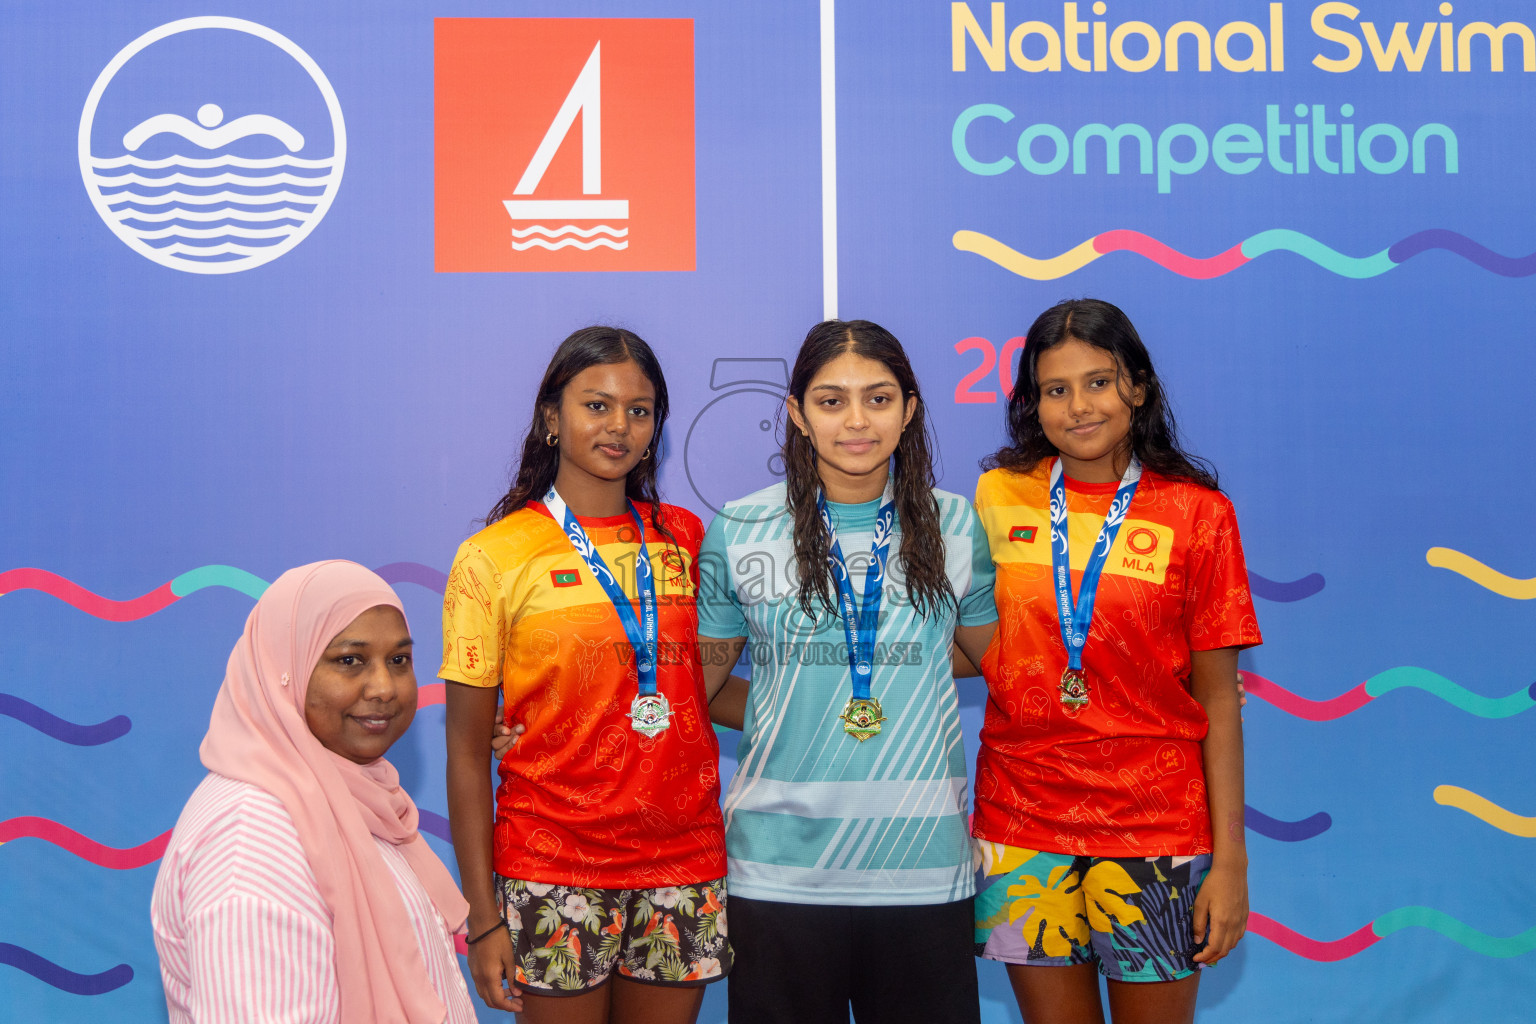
[808, 963]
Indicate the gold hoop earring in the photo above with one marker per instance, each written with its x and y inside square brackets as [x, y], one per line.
[551, 439]
[646, 455]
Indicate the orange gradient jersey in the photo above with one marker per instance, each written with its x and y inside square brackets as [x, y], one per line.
[584, 799]
[1124, 778]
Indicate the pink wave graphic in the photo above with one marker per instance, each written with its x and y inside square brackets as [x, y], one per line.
[431, 695]
[92, 604]
[86, 849]
[187, 583]
[1312, 710]
[1312, 949]
[1125, 240]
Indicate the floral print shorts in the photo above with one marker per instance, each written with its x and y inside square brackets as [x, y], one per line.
[570, 939]
[1131, 916]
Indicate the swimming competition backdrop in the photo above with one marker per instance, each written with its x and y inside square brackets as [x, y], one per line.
[279, 279]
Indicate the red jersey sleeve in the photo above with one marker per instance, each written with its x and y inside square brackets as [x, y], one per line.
[1220, 606]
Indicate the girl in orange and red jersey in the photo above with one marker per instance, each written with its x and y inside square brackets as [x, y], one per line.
[1109, 787]
[597, 891]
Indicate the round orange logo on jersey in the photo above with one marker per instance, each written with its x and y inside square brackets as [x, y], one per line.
[1141, 541]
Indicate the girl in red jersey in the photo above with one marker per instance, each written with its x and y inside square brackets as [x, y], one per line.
[1109, 787]
[597, 892]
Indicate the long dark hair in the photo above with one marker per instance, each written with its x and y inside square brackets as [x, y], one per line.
[1154, 434]
[540, 462]
[917, 511]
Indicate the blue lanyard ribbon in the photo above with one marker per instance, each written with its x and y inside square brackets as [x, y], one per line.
[1075, 619]
[860, 620]
[641, 633]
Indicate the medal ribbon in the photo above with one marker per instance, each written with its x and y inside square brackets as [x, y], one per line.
[859, 621]
[1076, 619]
[641, 633]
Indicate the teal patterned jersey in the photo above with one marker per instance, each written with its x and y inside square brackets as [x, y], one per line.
[812, 814]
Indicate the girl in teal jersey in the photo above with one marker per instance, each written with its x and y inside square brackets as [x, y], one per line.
[850, 864]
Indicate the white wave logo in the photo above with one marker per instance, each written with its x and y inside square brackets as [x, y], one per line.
[217, 195]
[544, 237]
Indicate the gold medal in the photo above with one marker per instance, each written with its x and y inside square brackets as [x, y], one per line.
[1074, 691]
[862, 718]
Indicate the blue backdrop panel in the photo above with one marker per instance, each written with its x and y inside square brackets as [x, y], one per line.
[187, 413]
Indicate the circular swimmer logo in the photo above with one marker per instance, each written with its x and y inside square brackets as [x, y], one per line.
[730, 449]
[239, 182]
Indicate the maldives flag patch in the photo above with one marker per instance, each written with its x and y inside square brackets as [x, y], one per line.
[565, 578]
[1023, 534]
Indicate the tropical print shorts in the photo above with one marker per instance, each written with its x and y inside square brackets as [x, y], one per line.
[569, 939]
[1131, 916]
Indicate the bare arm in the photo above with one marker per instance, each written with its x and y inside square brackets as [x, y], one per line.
[971, 643]
[1221, 909]
[729, 708]
[471, 714]
[727, 694]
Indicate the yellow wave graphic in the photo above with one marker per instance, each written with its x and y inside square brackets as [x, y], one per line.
[1482, 575]
[1011, 259]
[1486, 810]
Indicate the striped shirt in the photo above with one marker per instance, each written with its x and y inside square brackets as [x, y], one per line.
[813, 815]
[240, 927]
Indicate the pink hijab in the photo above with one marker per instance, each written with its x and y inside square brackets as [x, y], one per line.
[258, 735]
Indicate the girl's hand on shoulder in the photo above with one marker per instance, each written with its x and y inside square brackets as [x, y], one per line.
[492, 961]
[504, 737]
[1221, 912]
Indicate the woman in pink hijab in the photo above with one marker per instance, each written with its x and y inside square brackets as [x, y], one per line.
[295, 886]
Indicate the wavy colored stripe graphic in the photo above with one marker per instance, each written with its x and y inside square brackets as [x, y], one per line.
[1172, 259]
[1385, 682]
[1275, 590]
[50, 973]
[414, 572]
[82, 847]
[1286, 831]
[1387, 924]
[1461, 245]
[145, 853]
[1312, 949]
[1261, 244]
[187, 583]
[1312, 710]
[1482, 575]
[431, 695]
[1483, 808]
[91, 604]
[434, 824]
[65, 731]
[1461, 934]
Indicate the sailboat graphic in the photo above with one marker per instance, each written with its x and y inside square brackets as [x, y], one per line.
[536, 222]
[218, 194]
